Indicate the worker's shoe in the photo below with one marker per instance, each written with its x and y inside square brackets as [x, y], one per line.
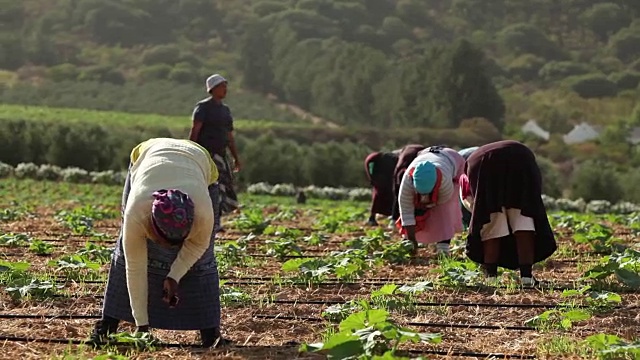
[101, 331]
[529, 282]
[212, 338]
[442, 249]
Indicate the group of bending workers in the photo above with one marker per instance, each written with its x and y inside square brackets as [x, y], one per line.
[493, 191]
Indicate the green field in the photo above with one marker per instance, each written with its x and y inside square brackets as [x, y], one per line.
[112, 118]
[297, 278]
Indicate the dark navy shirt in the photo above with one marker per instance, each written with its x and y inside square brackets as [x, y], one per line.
[217, 122]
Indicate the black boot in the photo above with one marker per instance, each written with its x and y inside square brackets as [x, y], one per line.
[107, 325]
[212, 337]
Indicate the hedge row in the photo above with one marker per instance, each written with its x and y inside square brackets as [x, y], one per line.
[364, 194]
[56, 173]
[110, 177]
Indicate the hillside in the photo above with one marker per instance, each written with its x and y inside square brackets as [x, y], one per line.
[352, 61]
[460, 72]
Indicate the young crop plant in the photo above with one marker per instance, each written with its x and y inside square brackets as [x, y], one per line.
[611, 347]
[76, 267]
[11, 214]
[253, 220]
[457, 272]
[369, 335]
[598, 301]
[19, 284]
[599, 237]
[41, 248]
[562, 319]
[232, 253]
[624, 266]
[401, 298]
[14, 240]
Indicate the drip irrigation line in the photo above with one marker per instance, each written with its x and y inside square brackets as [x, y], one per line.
[378, 282]
[342, 302]
[323, 254]
[288, 318]
[272, 347]
[417, 324]
[49, 316]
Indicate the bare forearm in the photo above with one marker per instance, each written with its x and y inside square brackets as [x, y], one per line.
[232, 148]
[411, 232]
[195, 130]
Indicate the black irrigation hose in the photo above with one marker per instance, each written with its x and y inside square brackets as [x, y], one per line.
[324, 254]
[418, 324]
[272, 279]
[418, 303]
[274, 347]
[49, 316]
[380, 282]
[287, 318]
[371, 283]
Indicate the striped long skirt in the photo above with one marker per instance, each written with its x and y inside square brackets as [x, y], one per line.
[199, 306]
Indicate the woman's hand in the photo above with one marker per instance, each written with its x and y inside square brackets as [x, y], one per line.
[170, 292]
[411, 236]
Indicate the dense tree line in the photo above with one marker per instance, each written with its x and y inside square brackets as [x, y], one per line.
[383, 63]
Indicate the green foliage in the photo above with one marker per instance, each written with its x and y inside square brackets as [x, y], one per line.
[605, 19]
[380, 64]
[526, 38]
[593, 86]
[626, 80]
[367, 66]
[552, 183]
[558, 70]
[594, 180]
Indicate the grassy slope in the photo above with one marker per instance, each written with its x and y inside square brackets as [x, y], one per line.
[68, 115]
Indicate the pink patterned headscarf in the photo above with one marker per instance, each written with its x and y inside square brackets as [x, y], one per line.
[172, 213]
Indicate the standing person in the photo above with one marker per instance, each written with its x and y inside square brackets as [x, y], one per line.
[407, 154]
[212, 128]
[428, 201]
[509, 226]
[466, 214]
[163, 272]
[379, 167]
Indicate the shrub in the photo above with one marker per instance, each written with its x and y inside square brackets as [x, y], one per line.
[593, 86]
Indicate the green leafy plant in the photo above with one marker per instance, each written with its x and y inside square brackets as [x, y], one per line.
[558, 319]
[599, 237]
[612, 347]
[624, 266]
[368, 335]
[253, 220]
[14, 240]
[40, 247]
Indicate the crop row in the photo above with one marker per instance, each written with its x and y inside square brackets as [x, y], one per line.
[114, 118]
[559, 204]
[110, 177]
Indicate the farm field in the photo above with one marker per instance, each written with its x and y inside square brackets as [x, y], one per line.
[291, 273]
[114, 118]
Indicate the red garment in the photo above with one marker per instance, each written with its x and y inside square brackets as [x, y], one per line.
[465, 188]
